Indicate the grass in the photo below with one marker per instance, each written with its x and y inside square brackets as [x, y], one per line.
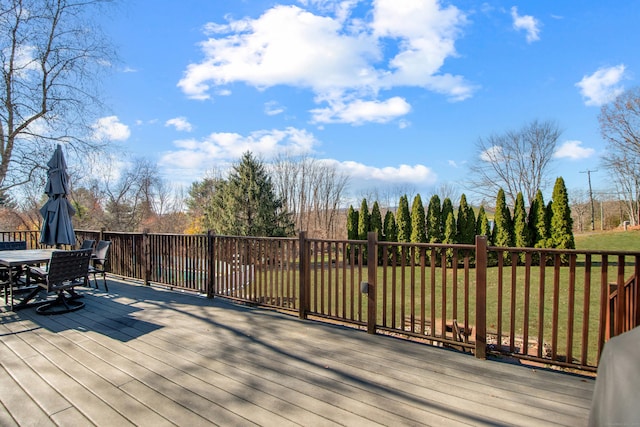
[609, 241]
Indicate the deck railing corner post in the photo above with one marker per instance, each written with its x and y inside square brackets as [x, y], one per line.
[481, 297]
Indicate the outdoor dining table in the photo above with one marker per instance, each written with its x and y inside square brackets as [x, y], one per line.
[20, 258]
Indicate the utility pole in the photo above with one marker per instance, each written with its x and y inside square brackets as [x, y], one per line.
[588, 172]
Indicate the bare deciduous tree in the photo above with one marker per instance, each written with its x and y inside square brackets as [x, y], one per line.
[620, 127]
[50, 58]
[312, 192]
[516, 161]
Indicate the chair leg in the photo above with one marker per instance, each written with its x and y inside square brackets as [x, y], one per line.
[104, 278]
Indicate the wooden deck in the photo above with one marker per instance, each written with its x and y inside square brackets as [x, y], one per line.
[150, 357]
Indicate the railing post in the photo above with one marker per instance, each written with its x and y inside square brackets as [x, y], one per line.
[481, 297]
[146, 254]
[372, 274]
[211, 259]
[304, 270]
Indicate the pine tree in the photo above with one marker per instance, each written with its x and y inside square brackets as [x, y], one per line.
[246, 204]
[403, 220]
[434, 220]
[561, 221]
[466, 222]
[418, 232]
[503, 228]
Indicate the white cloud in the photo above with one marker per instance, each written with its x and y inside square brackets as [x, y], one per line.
[416, 174]
[528, 23]
[273, 108]
[200, 154]
[180, 123]
[492, 154]
[602, 86]
[573, 150]
[358, 111]
[336, 56]
[110, 129]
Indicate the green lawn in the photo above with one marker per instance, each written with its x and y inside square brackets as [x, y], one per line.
[609, 241]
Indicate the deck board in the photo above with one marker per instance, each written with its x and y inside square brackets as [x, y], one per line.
[147, 356]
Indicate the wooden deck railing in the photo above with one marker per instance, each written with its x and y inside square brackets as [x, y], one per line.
[550, 306]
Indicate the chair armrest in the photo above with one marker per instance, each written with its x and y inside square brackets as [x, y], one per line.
[37, 272]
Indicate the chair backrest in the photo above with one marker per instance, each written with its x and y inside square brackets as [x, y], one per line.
[87, 244]
[13, 246]
[67, 266]
[102, 252]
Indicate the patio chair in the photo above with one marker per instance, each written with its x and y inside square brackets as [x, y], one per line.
[17, 272]
[88, 244]
[66, 270]
[99, 262]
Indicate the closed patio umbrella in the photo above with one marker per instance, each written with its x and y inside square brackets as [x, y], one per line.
[57, 212]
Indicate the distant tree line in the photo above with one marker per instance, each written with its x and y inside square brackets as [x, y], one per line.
[542, 226]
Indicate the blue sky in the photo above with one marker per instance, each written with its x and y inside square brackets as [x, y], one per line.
[392, 92]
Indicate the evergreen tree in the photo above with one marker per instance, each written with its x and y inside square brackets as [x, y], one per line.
[375, 222]
[447, 207]
[450, 235]
[482, 225]
[403, 220]
[466, 222]
[561, 221]
[390, 233]
[364, 225]
[246, 204]
[434, 220]
[503, 228]
[521, 237]
[418, 232]
[390, 229]
[538, 229]
[352, 223]
[520, 227]
[352, 229]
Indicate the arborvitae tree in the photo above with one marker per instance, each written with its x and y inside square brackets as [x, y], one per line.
[521, 237]
[447, 207]
[390, 233]
[482, 225]
[466, 222]
[434, 220]
[503, 228]
[363, 220]
[375, 222]
[246, 203]
[352, 223]
[450, 234]
[538, 229]
[520, 228]
[403, 220]
[352, 229]
[418, 232]
[561, 222]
